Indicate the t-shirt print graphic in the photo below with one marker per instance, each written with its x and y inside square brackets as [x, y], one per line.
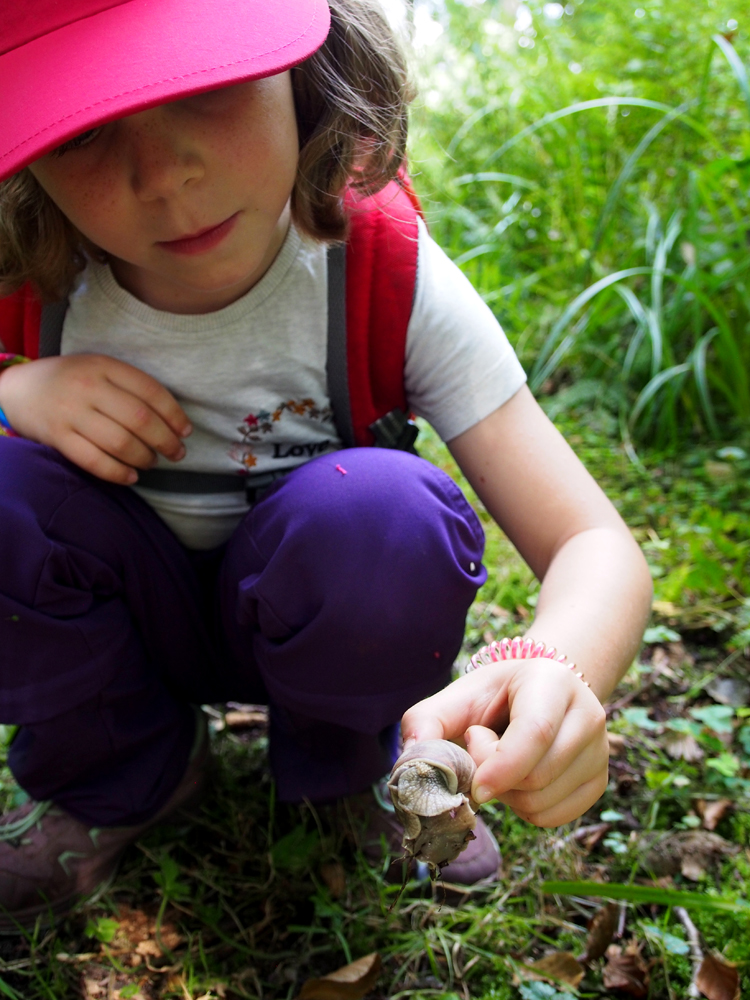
[259, 428]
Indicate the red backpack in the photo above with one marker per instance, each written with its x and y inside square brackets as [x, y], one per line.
[371, 284]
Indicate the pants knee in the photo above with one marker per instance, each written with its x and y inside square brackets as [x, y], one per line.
[383, 531]
[352, 580]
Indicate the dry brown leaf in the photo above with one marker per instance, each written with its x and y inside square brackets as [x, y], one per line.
[559, 966]
[718, 980]
[683, 746]
[712, 813]
[729, 691]
[666, 608]
[616, 744]
[334, 876]
[136, 937]
[100, 982]
[692, 852]
[625, 972]
[351, 982]
[148, 948]
[602, 927]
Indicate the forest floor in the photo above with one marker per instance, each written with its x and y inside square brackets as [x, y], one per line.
[246, 898]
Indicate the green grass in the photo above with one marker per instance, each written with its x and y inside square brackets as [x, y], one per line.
[602, 210]
[244, 881]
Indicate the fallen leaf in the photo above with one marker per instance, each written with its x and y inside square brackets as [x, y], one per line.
[559, 966]
[602, 927]
[625, 971]
[616, 744]
[683, 746]
[729, 691]
[666, 608]
[351, 982]
[712, 813]
[148, 948]
[334, 876]
[718, 980]
[691, 852]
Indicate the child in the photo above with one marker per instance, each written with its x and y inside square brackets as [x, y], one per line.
[172, 172]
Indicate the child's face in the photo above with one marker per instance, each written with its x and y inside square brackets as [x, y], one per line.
[220, 165]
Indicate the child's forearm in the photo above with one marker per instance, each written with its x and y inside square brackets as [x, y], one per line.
[592, 614]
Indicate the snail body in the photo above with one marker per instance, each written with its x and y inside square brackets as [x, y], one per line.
[430, 787]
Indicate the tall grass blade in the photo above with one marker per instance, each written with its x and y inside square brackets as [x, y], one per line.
[600, 102]
[651, 388]
[639, 314]
[701, 380]
[647, 894]
[628, 167]
[490, 175]
[738, 67]
[569, 312]
[469, 124]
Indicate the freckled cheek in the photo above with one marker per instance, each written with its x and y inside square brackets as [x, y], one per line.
[93, 206]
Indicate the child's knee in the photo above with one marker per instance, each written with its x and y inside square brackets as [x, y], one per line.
[371, 550]
[376, 510]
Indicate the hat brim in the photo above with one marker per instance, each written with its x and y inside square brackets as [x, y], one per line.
[139, 54]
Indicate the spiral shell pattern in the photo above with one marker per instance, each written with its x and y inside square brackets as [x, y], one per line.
[430, 787]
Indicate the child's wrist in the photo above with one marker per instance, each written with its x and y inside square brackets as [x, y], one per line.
[520, 648]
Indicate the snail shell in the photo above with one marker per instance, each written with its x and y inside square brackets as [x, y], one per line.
[430, 788]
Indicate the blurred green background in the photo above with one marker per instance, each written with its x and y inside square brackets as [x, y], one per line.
[587, 166]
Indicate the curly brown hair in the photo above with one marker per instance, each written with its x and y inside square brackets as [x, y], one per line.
[351, 99]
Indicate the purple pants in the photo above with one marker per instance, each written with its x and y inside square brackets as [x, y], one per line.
[340, 600]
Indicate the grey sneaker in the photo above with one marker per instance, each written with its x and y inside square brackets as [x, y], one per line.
[49, 860]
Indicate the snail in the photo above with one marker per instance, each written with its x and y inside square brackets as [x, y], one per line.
[430, 787]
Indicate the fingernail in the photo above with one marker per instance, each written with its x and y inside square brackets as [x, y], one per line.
[483, 794]
[409, 741]
[180, 454]
[132, 477]
[186, 431]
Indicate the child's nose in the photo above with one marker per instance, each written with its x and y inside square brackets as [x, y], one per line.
[163, 160]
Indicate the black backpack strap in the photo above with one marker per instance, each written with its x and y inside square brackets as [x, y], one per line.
[395, 429]
[336, 360]
[51, 327]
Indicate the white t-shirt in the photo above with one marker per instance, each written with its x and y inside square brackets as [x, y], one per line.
[252, 377]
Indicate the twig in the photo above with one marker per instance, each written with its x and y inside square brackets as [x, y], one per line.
[583, 832]
[696, 952]
[619, 933]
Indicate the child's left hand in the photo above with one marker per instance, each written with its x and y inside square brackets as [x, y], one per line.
[550, 763]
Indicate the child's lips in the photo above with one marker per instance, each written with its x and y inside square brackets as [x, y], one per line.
[202, 241]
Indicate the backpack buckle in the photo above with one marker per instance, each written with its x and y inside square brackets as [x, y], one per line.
[395, 430]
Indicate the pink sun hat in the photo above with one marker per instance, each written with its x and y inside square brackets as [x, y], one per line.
[69, 65]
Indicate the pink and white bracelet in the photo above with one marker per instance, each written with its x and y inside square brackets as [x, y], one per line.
[519, 648]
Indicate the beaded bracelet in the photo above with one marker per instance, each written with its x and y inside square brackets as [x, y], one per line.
[6, 360]
[519, 648]
[6, 430]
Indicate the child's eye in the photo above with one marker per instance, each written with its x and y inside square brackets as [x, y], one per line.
[77, 141]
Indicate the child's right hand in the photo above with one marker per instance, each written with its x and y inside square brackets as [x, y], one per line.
[104, 415]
